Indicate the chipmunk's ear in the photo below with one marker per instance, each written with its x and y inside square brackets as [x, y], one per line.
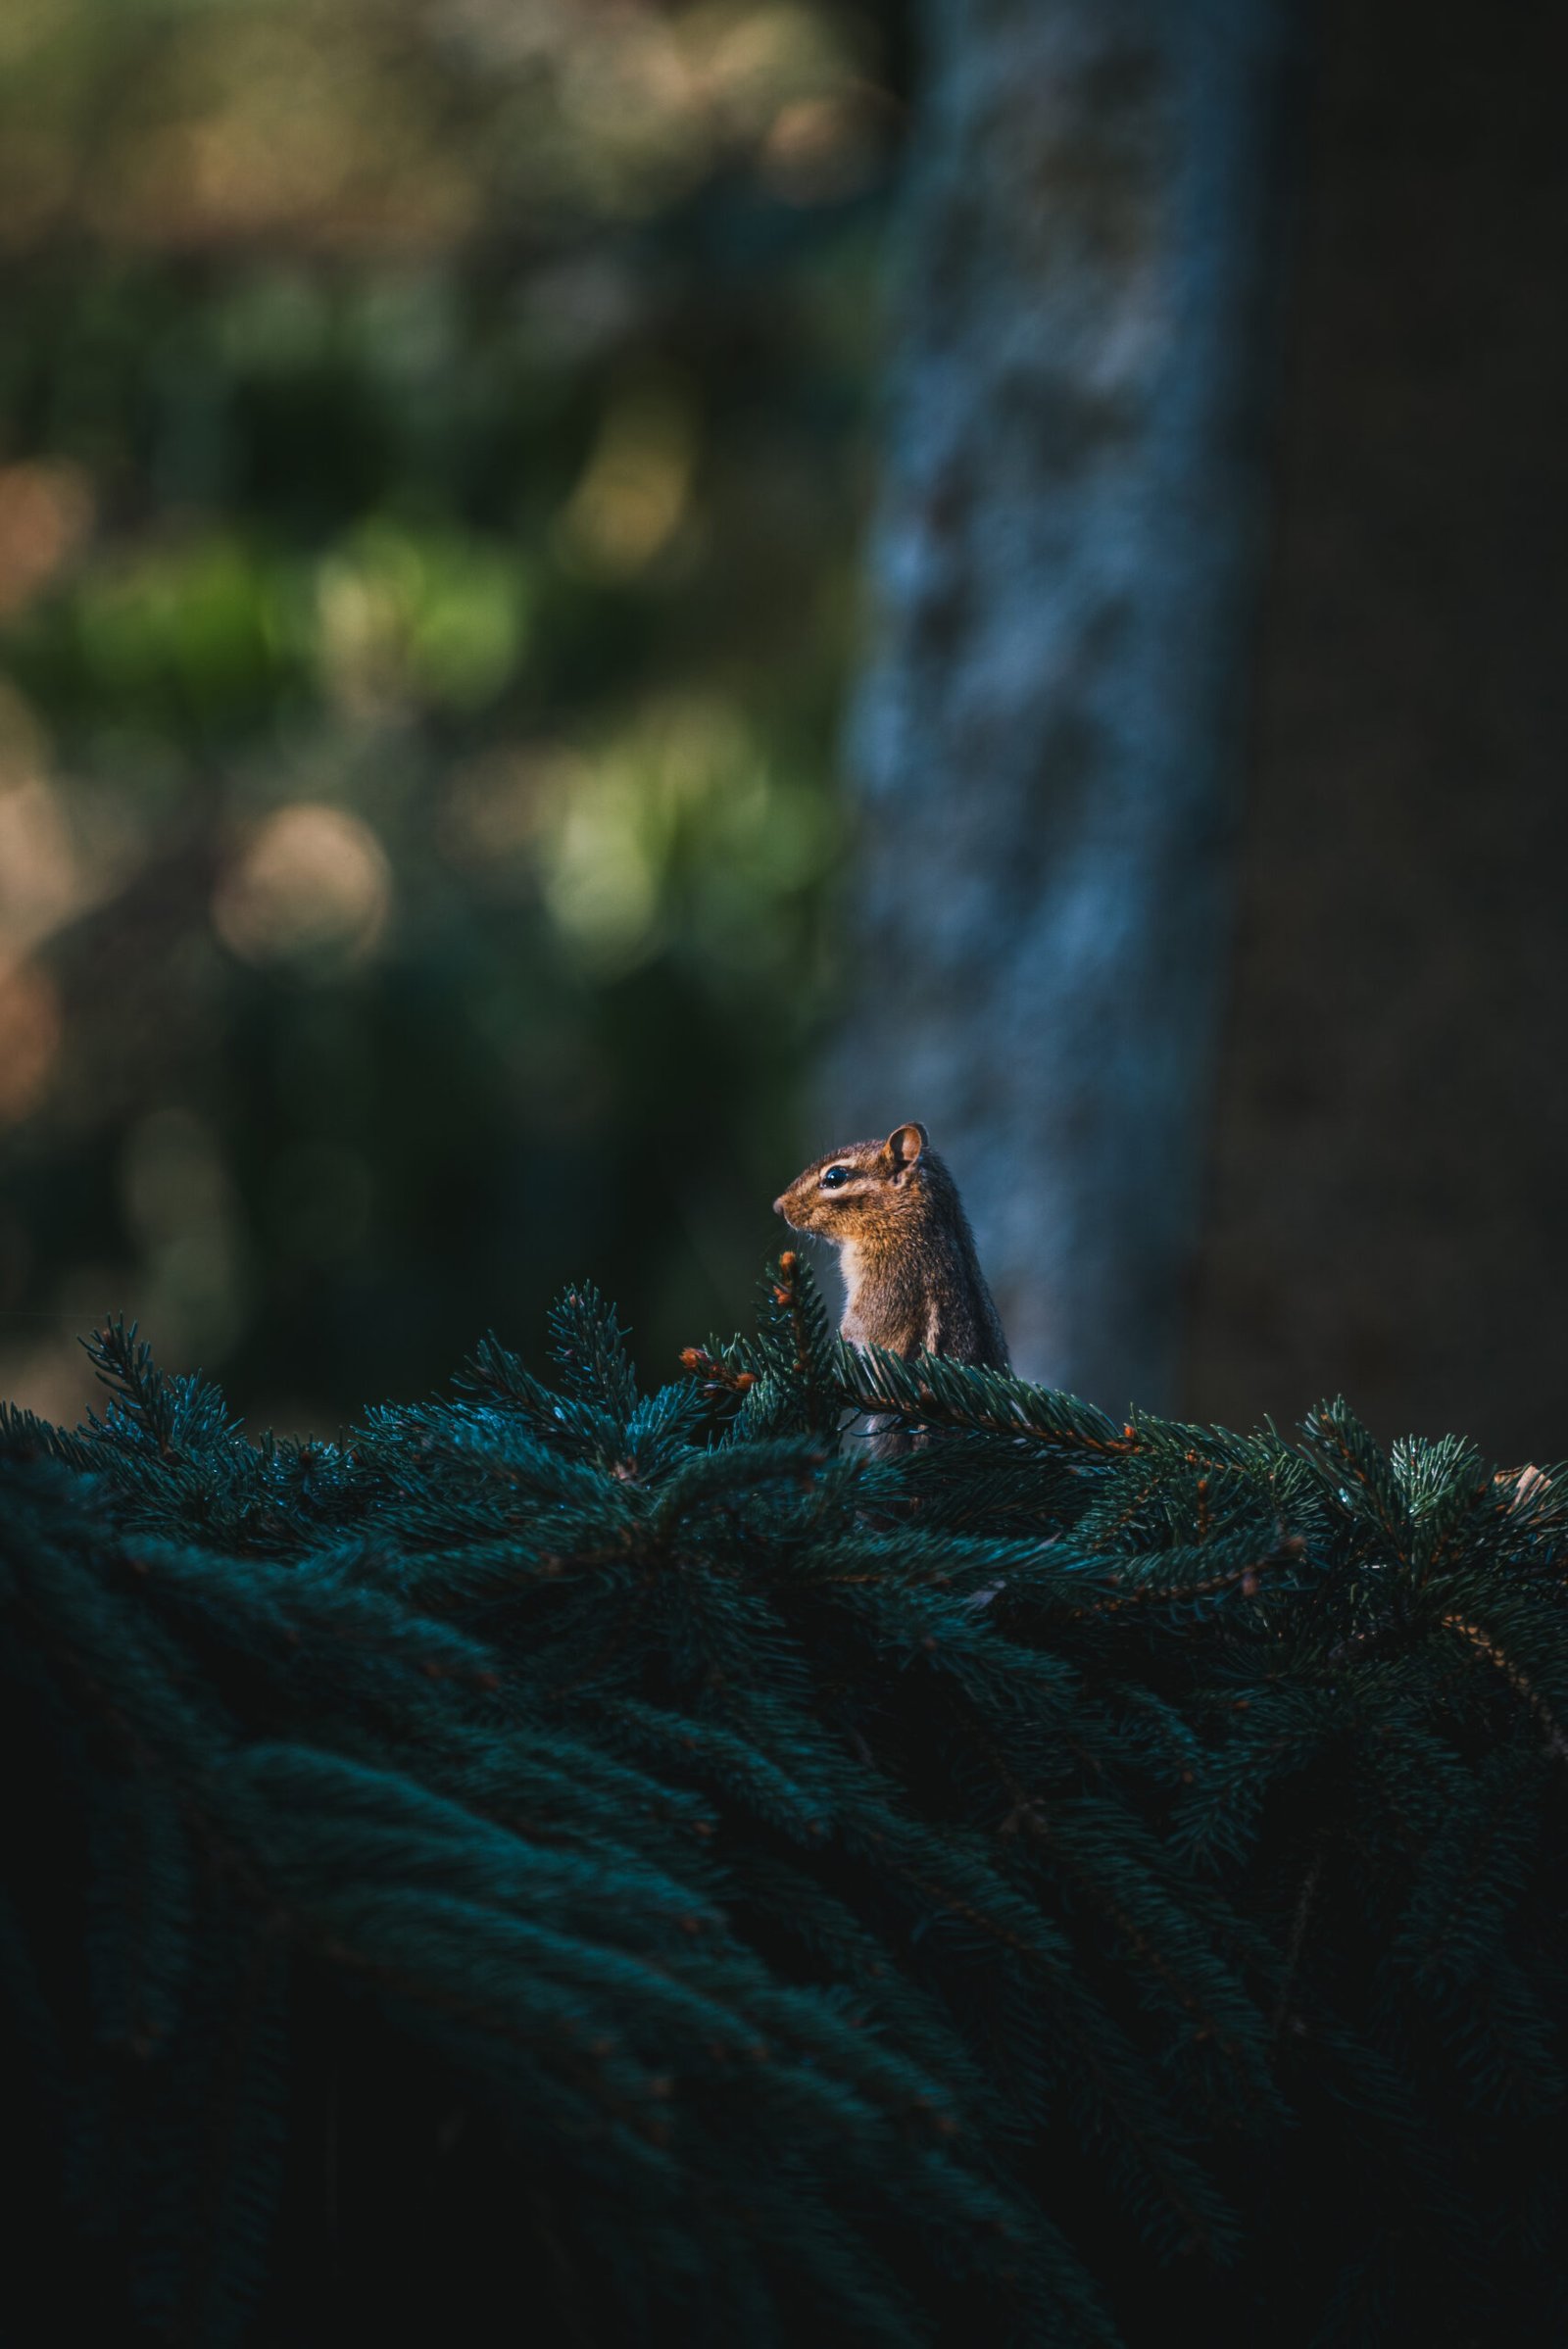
[902, 1146]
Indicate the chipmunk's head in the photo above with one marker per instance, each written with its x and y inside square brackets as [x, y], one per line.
[862, 1190]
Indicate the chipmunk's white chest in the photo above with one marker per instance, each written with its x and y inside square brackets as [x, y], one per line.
[850, 1268]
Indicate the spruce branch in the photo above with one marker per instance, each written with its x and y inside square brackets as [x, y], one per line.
[1496, 1654]
[882, 1896]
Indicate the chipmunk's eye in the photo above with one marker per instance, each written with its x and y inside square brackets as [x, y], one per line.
[834, 1176]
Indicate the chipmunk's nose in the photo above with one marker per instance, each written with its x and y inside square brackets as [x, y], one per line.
[778, 1206]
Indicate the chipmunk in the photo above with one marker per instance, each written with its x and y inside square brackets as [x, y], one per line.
[905, 1248]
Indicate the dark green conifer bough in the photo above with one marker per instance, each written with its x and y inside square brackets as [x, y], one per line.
[566, 1867]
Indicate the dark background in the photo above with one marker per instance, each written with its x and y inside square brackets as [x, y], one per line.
[436, 449]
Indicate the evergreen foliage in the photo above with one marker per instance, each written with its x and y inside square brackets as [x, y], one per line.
[563, 1864]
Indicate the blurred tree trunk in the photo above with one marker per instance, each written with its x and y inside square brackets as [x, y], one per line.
[1390, 1160]
[1048, 738]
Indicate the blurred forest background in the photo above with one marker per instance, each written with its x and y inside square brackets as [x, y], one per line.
[434, 446]
[463, 463]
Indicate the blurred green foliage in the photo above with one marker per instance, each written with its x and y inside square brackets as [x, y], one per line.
[433, 441]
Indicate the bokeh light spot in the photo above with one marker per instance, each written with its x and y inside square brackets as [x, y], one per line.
[633, 496]
[314, 883]
[602, 878]
[404, 618]
[30, 1030]
[38, 880]
[46, 512]
[819, 150]
[494, 809]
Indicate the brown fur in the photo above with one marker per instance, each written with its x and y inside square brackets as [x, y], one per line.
[905, 1248]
